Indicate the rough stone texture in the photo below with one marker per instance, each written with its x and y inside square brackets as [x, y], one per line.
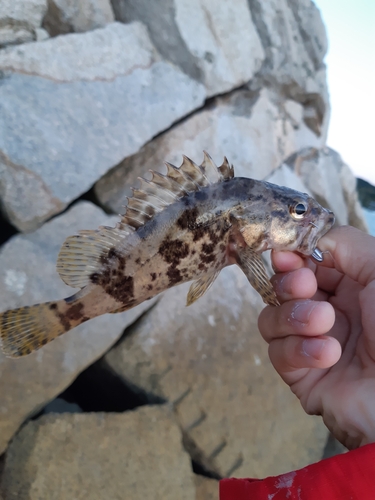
[66, 16]
[255, 130]
[19, 20]
[206, 489]
[209, 361]
[101, 55]
[41, 34]
[331, 182]
[111, 456]
[65, 120]
[219, 47]
[28, 276]
[295, 42]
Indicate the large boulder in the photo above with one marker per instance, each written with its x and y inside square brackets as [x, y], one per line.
[20, 20]
[255, 130]
[295, 43]
[219, 47]
[67, 119]
[66, 16]
[96, 456]
[28, 276]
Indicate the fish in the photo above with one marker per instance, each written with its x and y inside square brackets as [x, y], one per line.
[186, 225]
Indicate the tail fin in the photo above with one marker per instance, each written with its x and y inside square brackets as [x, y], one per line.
[26, 329]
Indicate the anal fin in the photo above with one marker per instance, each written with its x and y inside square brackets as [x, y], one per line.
[200, 287]
[252, 265]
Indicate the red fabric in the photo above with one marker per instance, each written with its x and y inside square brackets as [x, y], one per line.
[350, 476]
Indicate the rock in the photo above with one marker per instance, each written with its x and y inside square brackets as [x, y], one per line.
[19, 20]
[209, 361]
[28, 276]
[295, 43]
[132, 455]
[285, 176]
[256, 131]
[102, 56]
[41, 34]
[206, 489]
[66, 16]
[67, 120]
[219, 47]
[331, 182]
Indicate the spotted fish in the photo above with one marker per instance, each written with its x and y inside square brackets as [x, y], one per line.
[183, 226]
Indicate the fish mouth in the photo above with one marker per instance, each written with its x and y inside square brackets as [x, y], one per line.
[317, 229]
[316, 253]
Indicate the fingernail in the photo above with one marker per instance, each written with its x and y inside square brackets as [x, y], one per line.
[302, 311]
[313, 347]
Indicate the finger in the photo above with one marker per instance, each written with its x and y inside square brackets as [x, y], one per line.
[328, 279]
[352, 251]
[298, 284]
[296, 352]
[296, 317]
[286, 261]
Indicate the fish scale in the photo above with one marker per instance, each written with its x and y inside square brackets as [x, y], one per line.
[184, 226]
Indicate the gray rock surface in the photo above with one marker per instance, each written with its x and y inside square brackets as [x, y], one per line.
[206, 489]
[66, 16]
[219, 47]
[28, 276]
[209, 360]
[295, 42]
[133, 455]
[19, 20]
[331, 182]
[101, 55]
[256, 131]
[66, 120]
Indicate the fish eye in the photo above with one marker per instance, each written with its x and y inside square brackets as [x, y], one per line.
[298, 211]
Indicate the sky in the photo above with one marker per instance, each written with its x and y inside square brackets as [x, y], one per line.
[351, 81]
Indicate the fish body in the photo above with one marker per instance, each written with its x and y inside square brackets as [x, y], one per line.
[187, 225]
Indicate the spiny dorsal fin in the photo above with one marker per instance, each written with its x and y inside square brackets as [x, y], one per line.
[210, 170]
[81, 255]
[226, 170]
[154, 195]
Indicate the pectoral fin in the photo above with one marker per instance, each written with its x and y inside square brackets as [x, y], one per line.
[200, 287]
[252, 265]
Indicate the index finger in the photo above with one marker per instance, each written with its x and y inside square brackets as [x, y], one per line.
[283, 262]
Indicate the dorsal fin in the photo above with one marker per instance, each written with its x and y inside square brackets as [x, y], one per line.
[82, 255]
[210, 170]
[154, 195]
[226, 170]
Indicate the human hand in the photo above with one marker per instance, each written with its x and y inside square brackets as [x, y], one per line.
[322, 337]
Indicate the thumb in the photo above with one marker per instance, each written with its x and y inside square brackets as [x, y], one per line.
[366, 300]
[352, 251]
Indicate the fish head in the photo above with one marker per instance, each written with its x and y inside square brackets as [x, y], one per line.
[286, 220]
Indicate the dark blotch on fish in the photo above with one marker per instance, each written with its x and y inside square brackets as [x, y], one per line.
[74, 313]
[188, 218]
[173, 251]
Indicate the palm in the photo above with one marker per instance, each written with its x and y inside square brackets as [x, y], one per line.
[322, 337]
[336, 392]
